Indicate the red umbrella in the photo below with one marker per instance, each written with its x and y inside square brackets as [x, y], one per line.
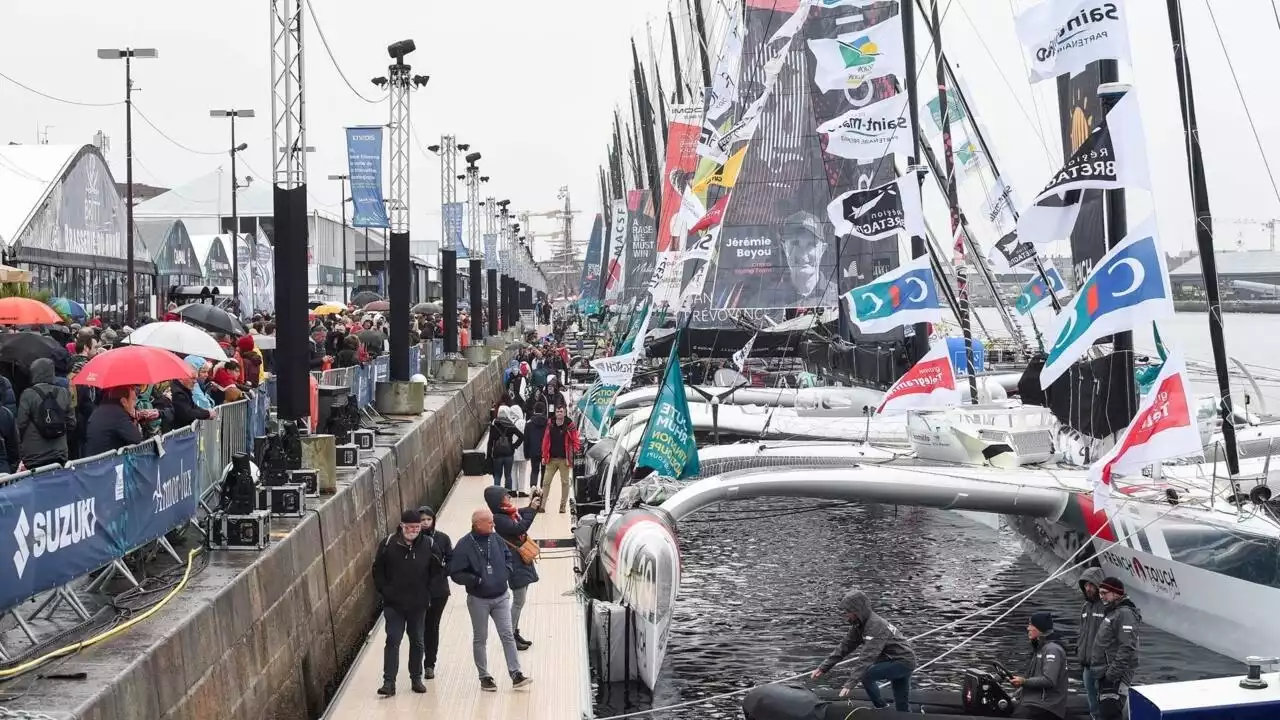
[132, 365]
[25, 311]
[377, 306]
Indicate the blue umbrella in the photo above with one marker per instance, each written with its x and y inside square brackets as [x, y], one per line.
[68, 307]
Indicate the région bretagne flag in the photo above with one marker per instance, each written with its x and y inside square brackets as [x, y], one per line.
[1163, 429]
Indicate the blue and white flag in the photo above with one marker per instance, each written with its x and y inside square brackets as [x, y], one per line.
[491, 251]
[453, 228]
[905, 295]
[364, 172]
[1035, 293]
[1128, 287]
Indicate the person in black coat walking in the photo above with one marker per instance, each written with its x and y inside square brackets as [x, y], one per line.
[533, 430]
[442, 552]
[9, 433]
[403, 567]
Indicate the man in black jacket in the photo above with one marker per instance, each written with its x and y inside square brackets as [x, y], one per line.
[1044, 688]
[441, 552]
[111, 426]
[883, 653]
[402, 570]
[1113, 659]
[1091, 614]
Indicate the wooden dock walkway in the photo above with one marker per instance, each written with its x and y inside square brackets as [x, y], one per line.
[553, 620]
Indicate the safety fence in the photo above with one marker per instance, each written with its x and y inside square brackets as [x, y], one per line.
[363, 379]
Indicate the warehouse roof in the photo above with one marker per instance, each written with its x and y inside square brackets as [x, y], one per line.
[1242, 262]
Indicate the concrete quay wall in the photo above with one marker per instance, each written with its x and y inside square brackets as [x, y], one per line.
[267, 635]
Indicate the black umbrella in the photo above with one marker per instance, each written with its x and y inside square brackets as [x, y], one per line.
[24, 348]
[213, 319]
[426, 308]
[364, 297]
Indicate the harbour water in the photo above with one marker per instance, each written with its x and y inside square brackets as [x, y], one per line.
[761, 579]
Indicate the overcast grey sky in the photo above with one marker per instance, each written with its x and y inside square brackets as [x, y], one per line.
[533, 86]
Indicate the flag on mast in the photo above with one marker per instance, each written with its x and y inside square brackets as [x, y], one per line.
[930, 383]
[1163, 429]
[903, 296]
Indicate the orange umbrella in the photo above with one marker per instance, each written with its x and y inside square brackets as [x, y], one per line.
[132, 365]
[25, 311]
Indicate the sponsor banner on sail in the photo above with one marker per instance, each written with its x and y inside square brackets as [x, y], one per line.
[776, 249]
[722, 96]
[1062, 37]
[1129, 287]
[642, 255]
[1078, 113]
[850, 59]
[683, 125]
[590, 279]
[1163, 429]
[880, 212]
[615, 280]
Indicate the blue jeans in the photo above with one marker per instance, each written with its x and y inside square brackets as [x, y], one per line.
[898, 674]
[1091, 690]
[502, 468]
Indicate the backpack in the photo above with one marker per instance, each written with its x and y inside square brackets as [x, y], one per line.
[50, 418]
[502, 443]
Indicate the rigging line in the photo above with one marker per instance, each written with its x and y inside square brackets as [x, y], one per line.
[55, 98]
[975, 33]
[1240, 92]
[329, 51]
[166, 136]
[1276, 13]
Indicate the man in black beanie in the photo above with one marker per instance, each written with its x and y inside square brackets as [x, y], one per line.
[441, 552]
[1044, 689]
[402, 571]
[1114, 657]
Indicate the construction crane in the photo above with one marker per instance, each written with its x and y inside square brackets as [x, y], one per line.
[1270, 225]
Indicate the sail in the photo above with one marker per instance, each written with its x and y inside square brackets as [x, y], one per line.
[589, 284]
[776, 249]
[1080, 112]
[642, 245]
[615, 279]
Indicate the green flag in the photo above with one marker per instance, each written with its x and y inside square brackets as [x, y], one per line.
[668, 445]
[639, 322]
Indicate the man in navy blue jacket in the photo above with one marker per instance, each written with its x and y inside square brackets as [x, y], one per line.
[481, 563]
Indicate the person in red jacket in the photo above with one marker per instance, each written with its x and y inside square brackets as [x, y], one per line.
[560, 442]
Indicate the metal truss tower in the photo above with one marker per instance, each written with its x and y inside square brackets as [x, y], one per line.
[288, 110]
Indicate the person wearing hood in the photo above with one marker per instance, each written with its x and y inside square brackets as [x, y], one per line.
[250, 361]
[512, 525]
[442, 553]
[482, 564]
[520, 468]
[1091, 614]
[112, 425]
[504, 439]
[45, 418]
[534, 429]
[552, 394]
[1044, 688]
[883, 653]
[198, 393]
[520, 388]
[403, 567]
[1113, 659]
[185, 409]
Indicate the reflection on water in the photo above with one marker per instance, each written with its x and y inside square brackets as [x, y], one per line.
[761, 579]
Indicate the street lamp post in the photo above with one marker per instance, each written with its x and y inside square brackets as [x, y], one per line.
[128, 54]
[235, 188]
[343, 178]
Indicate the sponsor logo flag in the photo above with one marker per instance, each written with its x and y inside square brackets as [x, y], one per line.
[872, 131]
[364, 170]
[1113, 156]
[1035, 293]
[880, 212]
[1163, 429]
[740, 357]
[930, 383]
[1051, 218]
[1128, 287]
[903, 296]
[1009, 252]
[711, 219]
[597, 405]
[726, 176]
[637, 328]
[614, 281]
[1063, 36]
[668, 445]
[851, 59]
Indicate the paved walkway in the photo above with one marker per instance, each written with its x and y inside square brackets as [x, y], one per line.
[553, 620]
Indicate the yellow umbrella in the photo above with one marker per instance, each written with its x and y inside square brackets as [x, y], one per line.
[329, 309]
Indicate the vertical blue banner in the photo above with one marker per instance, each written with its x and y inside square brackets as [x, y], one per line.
[364, 170]
[491, 251]
[453, 228]
[590, 295]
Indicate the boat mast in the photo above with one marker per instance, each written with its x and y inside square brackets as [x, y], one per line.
[700, 27]
[953, 204]
[1204, 231]
[1117, 224]
[675, 58]
[645, 131]
[920, 337]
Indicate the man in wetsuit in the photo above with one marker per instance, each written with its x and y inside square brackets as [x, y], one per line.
[883, 653]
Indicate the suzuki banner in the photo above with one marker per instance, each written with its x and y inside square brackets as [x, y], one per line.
[364, 170]
[65, 523]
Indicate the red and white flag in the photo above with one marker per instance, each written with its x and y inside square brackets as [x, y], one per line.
[930, 383]
[1164, 428]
